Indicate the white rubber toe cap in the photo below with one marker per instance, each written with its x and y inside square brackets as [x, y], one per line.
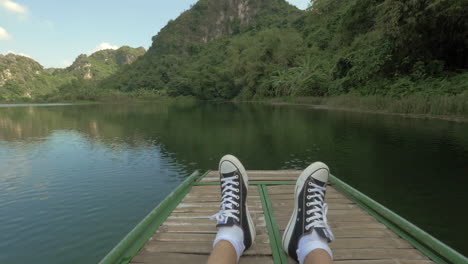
[226, 167]
[321, 175]
[318, 170]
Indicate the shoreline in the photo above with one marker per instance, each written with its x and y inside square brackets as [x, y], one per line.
[457, 119]
[318, 103]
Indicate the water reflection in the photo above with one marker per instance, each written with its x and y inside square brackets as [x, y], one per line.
[81, 176]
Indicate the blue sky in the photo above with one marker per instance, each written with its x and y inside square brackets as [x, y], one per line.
[55, 32]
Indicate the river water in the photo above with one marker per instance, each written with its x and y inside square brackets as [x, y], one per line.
[74, 179]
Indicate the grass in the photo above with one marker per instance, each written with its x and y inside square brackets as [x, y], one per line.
[454, 106]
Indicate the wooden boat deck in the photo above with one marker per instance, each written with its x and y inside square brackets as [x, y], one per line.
[186, 235]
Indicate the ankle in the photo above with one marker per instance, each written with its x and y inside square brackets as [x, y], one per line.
[233, 235]
[310, 243]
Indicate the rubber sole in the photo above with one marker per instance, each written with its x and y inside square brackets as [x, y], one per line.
[299, 184]
[245, 178]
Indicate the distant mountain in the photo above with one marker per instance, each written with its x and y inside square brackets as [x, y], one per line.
[248, 49]
[17, 70]
[244, 49]
[103, 63]
[205, 22]
[208, 20]
[23, 77]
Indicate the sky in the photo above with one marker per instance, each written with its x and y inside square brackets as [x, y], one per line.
[55, 32]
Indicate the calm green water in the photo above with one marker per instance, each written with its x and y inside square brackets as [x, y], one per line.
[74, 179]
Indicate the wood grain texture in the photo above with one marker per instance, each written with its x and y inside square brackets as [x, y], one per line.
[187, 234]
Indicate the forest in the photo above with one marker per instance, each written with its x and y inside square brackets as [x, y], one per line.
[361, 47]
[410, 54]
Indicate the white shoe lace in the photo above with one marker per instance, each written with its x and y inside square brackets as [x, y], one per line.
[317, 217]
[227, 200]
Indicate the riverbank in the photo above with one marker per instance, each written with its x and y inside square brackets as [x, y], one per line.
[451, 108]
[104, 96]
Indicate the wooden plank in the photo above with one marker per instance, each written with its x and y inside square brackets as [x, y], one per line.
[281, 175]
[201, 229]
[192, 237]
[192, 258]
[288, 197]
[359, 236]
[367, 242]
[187, 234]
[199, 222]
[361, 255]
[365, 219]
[331, 205]
[378, 253]
[199, 247]
[383, 261]
[203, 215]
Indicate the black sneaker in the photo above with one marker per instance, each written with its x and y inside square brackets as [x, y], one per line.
[234, 211]
[310, 211]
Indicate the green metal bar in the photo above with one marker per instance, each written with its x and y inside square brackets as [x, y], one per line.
[422, 248]
[421, 240]
[205, 183]
[270, 227]
[276, 233]
[201, 177]
[123, 252]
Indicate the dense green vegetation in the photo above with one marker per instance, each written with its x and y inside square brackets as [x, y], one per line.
[362, 47]
[23, 79]
[251, 50]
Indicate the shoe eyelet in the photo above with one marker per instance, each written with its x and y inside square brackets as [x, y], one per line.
[309, 190]
[310, 183]
[237, 177]
[237, 184]
[309, 196]
[307, 204]
[237, 190]
[238, 211]
[237, 196]
[307, 220]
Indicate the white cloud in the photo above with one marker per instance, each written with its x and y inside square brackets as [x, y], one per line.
[104, 46]
[14, 7]
[4, 34]
[19, 53]
[66, 63]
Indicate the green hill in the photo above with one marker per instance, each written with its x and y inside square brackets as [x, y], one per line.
[102, 64]
[22, 78]
[192, 34]
[217, 50]
[411, 55]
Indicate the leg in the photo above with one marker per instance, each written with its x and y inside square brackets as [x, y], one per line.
[318, 256]
[307, 234]
[236, 231]
[223, 253]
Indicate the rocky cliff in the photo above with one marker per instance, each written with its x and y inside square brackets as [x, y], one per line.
[23, 77]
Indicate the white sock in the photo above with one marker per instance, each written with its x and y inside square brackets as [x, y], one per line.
[234, 235]
[310, 243]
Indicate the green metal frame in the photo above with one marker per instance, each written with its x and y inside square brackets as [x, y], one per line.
[424, 242]
[124, 251]
[278, 253]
